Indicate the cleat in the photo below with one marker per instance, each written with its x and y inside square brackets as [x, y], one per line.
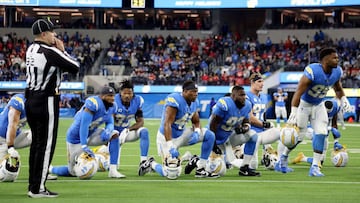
[202, 173]
[298, 159]
[51, 177]
[282, 165]
[186, 157]
[116, 174]
[45, 194]
[145, 166]
[191, 165]
[246, 171]
[315, 171]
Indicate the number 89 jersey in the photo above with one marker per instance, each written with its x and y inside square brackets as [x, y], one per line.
[320, 82]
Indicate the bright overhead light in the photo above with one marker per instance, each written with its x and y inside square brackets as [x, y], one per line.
[56, 9]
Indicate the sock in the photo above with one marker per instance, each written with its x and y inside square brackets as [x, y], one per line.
[316, 159]
[207, 145]
[114, 148]
[144, 142]
[60, 171]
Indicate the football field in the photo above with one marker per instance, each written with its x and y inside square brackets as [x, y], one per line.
[338, 185]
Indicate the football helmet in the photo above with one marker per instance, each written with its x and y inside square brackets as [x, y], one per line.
[339, 158]
[9, 169]
[270, 158]
[85, 166]
[172, 167]
[289, 136]
[103, 161]
[216, 165]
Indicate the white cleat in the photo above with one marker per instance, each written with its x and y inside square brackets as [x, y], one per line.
[51, 177]
[116, 174]
[187, 156]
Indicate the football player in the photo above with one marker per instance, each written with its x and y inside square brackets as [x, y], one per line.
[332, 109]
[86, 131]
[266, 134]
[128, 108]
[12, 135]
[179, 109]
[308, 105]
[230, 123]
[280, 98]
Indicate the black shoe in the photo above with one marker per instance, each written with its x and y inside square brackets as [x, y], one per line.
[191, 164]
[246, 171]
[45, 194]
[145, 166]
[202, 173]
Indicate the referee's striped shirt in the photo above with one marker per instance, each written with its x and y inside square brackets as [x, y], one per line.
[44, 65]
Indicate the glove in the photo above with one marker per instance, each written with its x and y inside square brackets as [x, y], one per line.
[124, 133]
[335, 133]
[194, 137]
[105, 135]
[243, 129]
[87, 150]
[345, 104]
[292, 117]
[267, 124]
[216, 149]
[174, 152]
[13, 153]
[337, 146]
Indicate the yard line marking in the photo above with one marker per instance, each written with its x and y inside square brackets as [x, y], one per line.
[210, 180]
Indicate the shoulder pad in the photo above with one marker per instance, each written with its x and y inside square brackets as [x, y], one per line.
[92, 104]
[222, 104]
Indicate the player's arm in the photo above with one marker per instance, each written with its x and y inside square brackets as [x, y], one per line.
[276, 97]
[304, 83]
[86, 118]
[170, 113]
[139, 120]
[339, 91]
[254, 121]
[196, 120]
[215, 120]
[285, 96]
[13, 120]
[334, 121]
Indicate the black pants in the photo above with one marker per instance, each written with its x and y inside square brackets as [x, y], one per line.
[42, 112]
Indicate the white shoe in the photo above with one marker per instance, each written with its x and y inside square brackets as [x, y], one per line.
[51, 177]
[116, 174]
[187, 156]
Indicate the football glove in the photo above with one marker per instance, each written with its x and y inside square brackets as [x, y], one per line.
[335, 133]
[292, 117]
[174, 152]
[266, 124]
[216, 149]
[337, 146]
[124, 133]
[87, 150]
[105, 135]
[242, 129]
[13, 153]
[345, 104]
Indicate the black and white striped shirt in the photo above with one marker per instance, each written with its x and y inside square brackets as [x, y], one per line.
[44, 65]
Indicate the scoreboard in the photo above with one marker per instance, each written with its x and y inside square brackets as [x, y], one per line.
[64, 3]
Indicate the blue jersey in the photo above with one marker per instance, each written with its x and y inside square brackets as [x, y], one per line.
[183, 115]
[258, 105]
[100, 116]
[123, 114]
[17, 102]
[280, 98]
[320, 82]
[231, 117]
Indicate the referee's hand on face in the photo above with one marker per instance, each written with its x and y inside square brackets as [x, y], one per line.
[59, 44]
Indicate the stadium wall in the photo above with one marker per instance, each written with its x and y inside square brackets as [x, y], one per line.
[306, 35]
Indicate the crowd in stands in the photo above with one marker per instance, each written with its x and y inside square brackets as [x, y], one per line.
[13, 49]
[224, 59]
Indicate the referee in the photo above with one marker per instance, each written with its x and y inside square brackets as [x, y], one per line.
[45, 61]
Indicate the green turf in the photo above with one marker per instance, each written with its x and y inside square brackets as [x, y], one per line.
[339, 184]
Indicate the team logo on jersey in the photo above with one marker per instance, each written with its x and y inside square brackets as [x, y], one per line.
[171, 100]
[310, 71]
